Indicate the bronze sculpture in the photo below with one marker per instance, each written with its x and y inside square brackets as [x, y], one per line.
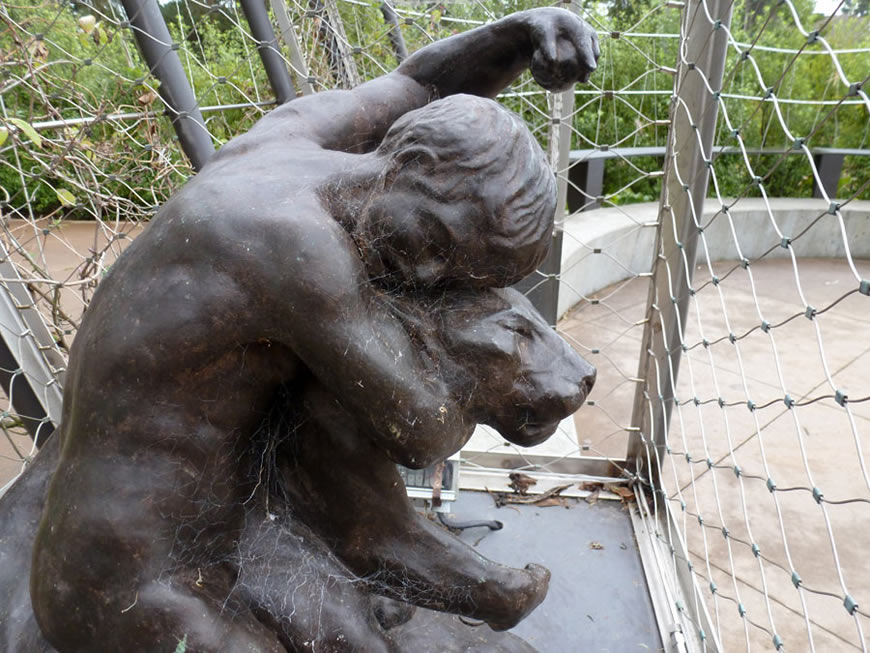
[328, 499]
[342, 486]
[276, 266]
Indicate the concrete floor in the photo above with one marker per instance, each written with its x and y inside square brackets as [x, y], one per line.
[817, 443]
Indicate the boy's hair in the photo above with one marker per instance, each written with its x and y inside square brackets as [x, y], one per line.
[471, 148]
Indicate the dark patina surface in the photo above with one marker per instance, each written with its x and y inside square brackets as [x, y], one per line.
[333, 266]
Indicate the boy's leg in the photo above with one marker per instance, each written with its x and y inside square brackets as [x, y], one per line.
[161, 614]
[294, 584]
[119, 572]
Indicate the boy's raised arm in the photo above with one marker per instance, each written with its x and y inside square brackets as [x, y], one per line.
[557, 45]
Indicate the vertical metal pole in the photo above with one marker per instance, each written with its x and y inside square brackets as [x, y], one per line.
[267, 45]
[161, 57]
[587, 176]
[395, 33]
[542, 286]
[830, 166]
[594, 181]
[27, 405]
[335, 42]
[693, 123]
[32, 370]
[288, 33]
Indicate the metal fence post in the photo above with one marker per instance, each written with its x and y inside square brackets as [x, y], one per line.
[161, 57]
[335, 42]
[830, 165]
[267, 45]
[32, 371]
[588, 177]
[694, 110]
[288, 34]
[542, 286]
[395, 33]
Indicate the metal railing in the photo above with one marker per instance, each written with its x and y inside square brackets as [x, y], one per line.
[587, 168]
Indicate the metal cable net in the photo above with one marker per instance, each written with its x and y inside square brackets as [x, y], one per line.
[625, 105]
[601, 270]
[757, 342]
[89, 153]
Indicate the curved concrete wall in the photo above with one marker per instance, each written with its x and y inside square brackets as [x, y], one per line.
[605, 246]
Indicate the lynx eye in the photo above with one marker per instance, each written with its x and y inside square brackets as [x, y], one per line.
[520, 327]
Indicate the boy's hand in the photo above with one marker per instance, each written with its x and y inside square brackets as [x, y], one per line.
[565, 49]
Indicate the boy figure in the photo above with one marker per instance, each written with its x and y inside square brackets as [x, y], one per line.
[258, 273]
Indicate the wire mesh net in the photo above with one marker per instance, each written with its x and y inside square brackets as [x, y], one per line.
[86, 157]
[762, 466]
[90, 152]
[604, 141]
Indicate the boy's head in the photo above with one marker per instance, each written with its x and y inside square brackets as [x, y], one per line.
[468, 196]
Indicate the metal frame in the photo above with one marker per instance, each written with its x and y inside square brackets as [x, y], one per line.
[542, 286]
[288, 34]
[267, 45]
[31, 368]
[341, 62]
[678, 633]
[161, 57]
[694, 110]
[693, 123]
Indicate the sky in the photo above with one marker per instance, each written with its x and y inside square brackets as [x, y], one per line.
[826, 6]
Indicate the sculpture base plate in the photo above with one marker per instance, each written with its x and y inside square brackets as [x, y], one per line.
[438, 632]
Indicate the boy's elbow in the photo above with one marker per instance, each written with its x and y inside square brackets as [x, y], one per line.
[412, 453]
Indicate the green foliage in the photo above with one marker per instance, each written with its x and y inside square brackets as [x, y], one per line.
[856, 7]
[74, 60]
[64, 65]
[796, 80]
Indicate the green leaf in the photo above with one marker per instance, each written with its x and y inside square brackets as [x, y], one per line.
[3, 134]
[27, 129]
[87, 23]
[182, 645]
[66, 198]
